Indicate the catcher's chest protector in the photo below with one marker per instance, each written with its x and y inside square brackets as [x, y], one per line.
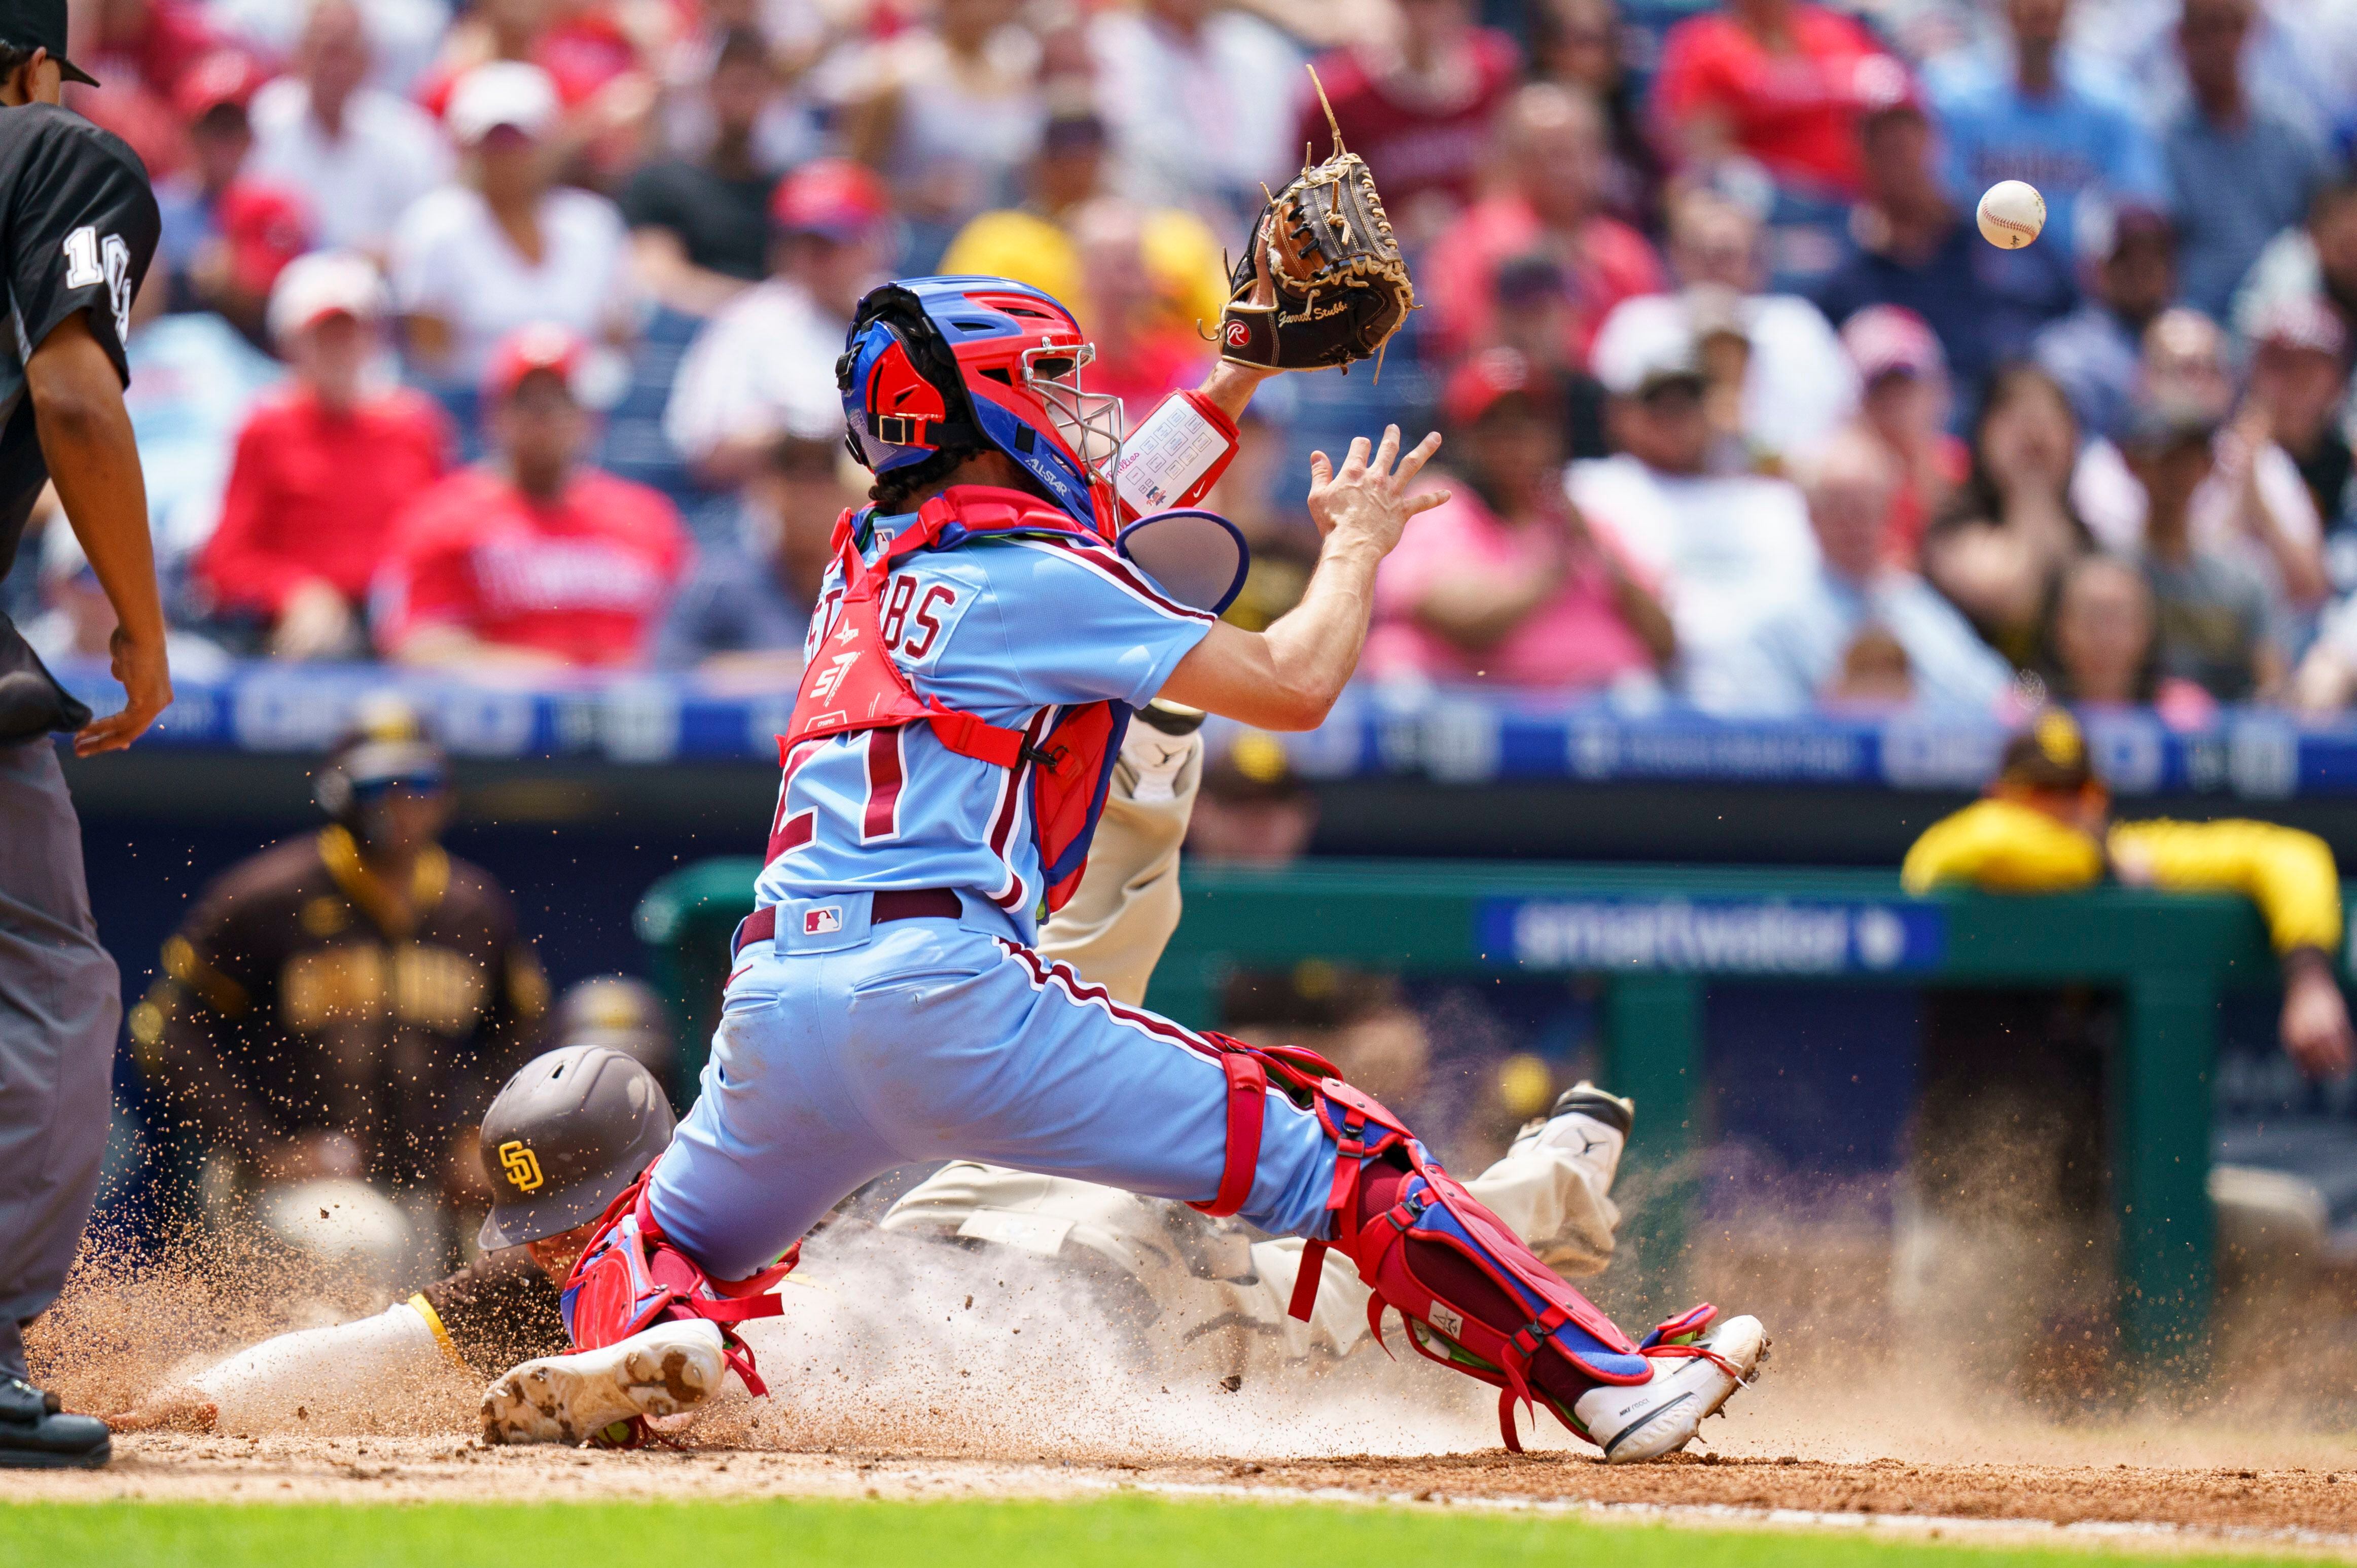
[852, 684]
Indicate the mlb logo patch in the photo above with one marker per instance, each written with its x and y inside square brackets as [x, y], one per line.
[819, 921]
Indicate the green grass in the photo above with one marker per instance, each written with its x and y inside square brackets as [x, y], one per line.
[1119, 1532]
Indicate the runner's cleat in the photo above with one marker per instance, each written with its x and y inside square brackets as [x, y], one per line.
[1661, 1417]
[1586, 1123]
[663, 1370]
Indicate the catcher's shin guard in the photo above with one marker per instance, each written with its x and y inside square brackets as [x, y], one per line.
[1475, 1297]
[631, 1277]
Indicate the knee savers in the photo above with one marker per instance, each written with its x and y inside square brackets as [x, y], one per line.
[631, 1277]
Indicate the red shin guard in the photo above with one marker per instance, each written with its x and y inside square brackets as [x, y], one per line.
[1465, 1282]
[1480, 1303]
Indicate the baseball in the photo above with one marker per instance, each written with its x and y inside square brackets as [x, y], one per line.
[2011, 214]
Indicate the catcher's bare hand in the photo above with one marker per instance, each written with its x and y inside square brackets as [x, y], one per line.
[146, 680]
[1369, 497]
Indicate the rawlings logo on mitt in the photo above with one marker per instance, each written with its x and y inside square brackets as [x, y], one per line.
[1322, 282]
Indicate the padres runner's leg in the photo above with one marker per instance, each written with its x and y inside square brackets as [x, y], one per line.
[1552, 1187]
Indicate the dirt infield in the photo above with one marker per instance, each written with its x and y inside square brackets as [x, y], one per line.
[941, 1373]
[2277, 1504]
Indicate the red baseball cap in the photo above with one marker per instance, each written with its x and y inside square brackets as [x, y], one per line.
[1479, 384]
[223, 77]
[1891, 340]
[830, 196]
[266, 227]
[542, 346]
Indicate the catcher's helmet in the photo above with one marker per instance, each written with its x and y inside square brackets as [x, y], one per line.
[568, 1134]
[935, 364]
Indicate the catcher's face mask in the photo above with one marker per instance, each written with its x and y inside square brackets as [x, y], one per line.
[1090, 422]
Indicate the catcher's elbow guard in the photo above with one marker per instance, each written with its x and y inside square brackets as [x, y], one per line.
[1175, 455]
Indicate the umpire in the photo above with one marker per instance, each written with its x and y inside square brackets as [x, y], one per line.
[78, 226]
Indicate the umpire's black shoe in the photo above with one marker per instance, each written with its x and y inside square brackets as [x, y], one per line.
[35, 1434]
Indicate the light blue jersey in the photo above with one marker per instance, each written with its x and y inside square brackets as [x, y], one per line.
[1007, 629]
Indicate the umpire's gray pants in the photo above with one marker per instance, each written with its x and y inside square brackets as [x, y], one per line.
[59, 1004]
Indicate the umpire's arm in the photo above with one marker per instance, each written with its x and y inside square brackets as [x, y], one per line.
[86, 440]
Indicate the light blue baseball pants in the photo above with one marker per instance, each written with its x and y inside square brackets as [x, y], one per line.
[844, 1053]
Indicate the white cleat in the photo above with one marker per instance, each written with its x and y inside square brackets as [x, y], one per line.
[1588, 1123]
[663, 1370]
[1661, 1416]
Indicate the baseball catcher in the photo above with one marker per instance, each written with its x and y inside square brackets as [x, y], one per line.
[979, 647]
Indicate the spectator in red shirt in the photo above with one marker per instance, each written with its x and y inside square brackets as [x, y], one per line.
[1779, 81]
[139, 49]
[534, 561]
[1146, 347]
[322, 468]
[1416, 103]
[212, 102]
[1551, 145]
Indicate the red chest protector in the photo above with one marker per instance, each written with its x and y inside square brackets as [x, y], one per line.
[852, 683]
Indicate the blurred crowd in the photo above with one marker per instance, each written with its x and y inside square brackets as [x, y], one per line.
[504, 338]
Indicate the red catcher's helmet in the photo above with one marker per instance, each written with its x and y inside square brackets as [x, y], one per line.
[933, 364]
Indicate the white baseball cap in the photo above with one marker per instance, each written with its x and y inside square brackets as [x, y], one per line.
[504, 92]
[1651, 349]
[325, 283]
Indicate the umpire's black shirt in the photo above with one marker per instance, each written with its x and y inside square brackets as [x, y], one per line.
[78, 226]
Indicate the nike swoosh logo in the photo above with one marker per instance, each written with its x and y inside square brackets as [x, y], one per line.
[1646, 1420]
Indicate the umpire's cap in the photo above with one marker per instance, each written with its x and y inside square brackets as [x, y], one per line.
[569, 1132]
[2052, 754]
[41, 24]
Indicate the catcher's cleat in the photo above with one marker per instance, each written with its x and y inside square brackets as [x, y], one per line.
[663, 1370]
[1661, 1416]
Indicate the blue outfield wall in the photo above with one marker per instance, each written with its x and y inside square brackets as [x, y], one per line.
[1449, 735]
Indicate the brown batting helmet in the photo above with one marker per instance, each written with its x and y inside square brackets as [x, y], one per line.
[568, 1134]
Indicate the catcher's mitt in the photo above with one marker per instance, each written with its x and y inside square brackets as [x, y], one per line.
[1336, 288]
